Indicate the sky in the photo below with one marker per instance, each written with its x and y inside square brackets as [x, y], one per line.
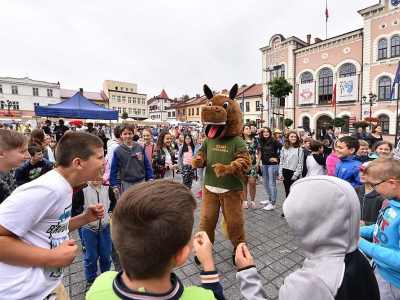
[176, 45]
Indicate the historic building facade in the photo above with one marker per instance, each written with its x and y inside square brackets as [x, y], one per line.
[355, 70]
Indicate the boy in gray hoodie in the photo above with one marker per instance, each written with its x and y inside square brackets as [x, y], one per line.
[327, 229]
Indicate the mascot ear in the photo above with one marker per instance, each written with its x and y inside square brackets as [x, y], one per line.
[209, 94]
[233, 91]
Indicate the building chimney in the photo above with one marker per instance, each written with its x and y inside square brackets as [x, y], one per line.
[197, 95]
[308, 39]
[244, 85]
[81, 90]
[317, 40]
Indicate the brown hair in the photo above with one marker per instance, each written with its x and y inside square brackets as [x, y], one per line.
[308, 139]
[152, 221]
[373, 128]
[33, 150]
[126, 126]
[11, 139]
[202, 134]
[37, 138]
[286, 142]
[76, 144]
[384, 168]
[149, 131]
[315, 145]
[375, 146]
[160, 140]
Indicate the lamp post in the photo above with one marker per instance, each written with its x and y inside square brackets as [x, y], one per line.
[371, 101]
[261, 109]
[271, 70]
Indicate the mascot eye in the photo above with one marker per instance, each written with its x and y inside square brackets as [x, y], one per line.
[225, 105]
[209, 104]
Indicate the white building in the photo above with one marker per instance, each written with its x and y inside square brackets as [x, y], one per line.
[158, 107]
[19, 96]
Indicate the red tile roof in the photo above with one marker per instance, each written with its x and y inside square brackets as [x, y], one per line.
[163, 95]
[89, 95]
[252, 90]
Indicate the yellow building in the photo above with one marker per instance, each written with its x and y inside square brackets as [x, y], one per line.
[123, 97]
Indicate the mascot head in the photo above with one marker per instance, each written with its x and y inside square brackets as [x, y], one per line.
[221, 115]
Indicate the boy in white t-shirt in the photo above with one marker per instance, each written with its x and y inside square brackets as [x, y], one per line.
[36, 219]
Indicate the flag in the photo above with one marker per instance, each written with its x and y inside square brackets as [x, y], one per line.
[266, 102]
[334, 96]
[396, 80]
[243, 102]
[326, 11]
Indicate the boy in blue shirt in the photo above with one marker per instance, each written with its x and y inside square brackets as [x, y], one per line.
[383, 174]
[346, 150]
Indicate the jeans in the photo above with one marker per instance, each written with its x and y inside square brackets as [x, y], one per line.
[98, 247]
[269, 180]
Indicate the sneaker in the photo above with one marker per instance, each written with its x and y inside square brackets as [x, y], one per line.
[244, 205]
[282, 216]
[265, 202]
[269, 207]
[199, 194]
[88, 286]
[83, 249]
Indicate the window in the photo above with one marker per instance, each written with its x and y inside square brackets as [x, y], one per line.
[247, 121]
[347, 70]
[307, 77]
[189, 111]
[114, 108]
[247, 106]
[118, 98]
[183, 111]
[130, 110]
[384, 123]
[49, 93]
[192, 111]
[124, 109]
[165, 101]
[35, 91]
[144, 111]
[384, 88]
[283, 71]
[169, 114]
[131, 90]
[1, 89]
[119, 110]
[173, 114]
[257, 105]
[395, 46]
[116, 88]
[306, 123]
[398, 124]
[126, 89]
[129, 99]
[325, 86]
[382, 49]
[14, 89]
[35, 104]
[113, 98]
[121, 89]
[134, 101]
[102, 105]
[241, 106]
[123, 99]
[143, 101]
[345, 127]
[179, 112]
[197, 111]
[15, 105]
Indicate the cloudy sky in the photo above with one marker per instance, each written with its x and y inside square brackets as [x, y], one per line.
[177, 45]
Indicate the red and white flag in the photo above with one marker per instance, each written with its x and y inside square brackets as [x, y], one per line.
[326, 11]
[334, 96]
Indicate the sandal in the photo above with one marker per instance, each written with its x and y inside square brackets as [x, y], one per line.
[244, 205]
[253, 205]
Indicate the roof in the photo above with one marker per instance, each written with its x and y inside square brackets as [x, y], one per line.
[88, 95]
[163, 95]
[252, 90]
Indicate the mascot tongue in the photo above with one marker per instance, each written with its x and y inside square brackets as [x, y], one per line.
[213, 131]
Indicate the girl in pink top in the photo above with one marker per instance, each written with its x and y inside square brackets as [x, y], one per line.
[332, 160]
[147, 144]
[185, 158]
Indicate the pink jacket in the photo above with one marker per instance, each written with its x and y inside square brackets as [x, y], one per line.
[331, 162]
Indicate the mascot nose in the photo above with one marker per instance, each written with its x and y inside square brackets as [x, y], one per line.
[217, 109]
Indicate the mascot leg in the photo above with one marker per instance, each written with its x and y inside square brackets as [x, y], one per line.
[209, 213]
[231, 203]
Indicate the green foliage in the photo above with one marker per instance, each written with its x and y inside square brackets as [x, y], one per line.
[288, 122]
[124, 115]
[185, 97]
[363, 124]
[252, 123]
[279, 87]
[338, 122]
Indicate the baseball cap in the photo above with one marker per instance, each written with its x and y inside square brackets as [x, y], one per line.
[363, 166]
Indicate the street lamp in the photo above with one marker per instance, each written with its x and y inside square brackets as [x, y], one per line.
[271, 70]
[7, 104]
[261, 109]
[371, 101]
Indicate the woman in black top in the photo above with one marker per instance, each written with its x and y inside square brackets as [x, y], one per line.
[375, 135]
[270, 151]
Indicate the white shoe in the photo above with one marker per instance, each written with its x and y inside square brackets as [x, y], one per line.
[269, 207]
[265, 202]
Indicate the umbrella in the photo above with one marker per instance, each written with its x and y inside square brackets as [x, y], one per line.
[75, 122]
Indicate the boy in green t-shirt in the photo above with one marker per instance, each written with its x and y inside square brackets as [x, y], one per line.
[152, 230]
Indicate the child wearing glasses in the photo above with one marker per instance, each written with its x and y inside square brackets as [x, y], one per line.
[383, 175]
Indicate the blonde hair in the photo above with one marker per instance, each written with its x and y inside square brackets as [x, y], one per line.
[384, 168]
[363, 143]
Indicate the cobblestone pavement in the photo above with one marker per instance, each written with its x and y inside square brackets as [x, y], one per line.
[274, 249]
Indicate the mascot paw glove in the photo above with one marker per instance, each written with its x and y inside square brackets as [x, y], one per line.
[221, 170]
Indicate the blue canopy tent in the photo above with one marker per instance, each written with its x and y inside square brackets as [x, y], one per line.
[77, 107]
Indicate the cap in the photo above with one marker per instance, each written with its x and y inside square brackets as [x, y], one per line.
[363, 166]
[277, 131]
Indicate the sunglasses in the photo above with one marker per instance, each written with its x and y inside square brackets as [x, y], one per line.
[374, 185]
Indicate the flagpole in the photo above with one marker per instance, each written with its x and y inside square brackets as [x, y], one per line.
[326, 20]
[397, 109]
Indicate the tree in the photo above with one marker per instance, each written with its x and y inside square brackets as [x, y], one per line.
[252, 123]
[124, 115]
[279, 87]
[338, 122]
[288, 122]
[185, 97]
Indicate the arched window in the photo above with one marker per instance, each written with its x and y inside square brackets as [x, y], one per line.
[345, 127]
[306, 123]
[325, 86]
[347, 70]
[384, 88]
[382, 49]
[283, 71]
[307, 77]
[395, 46]
[384, 123]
